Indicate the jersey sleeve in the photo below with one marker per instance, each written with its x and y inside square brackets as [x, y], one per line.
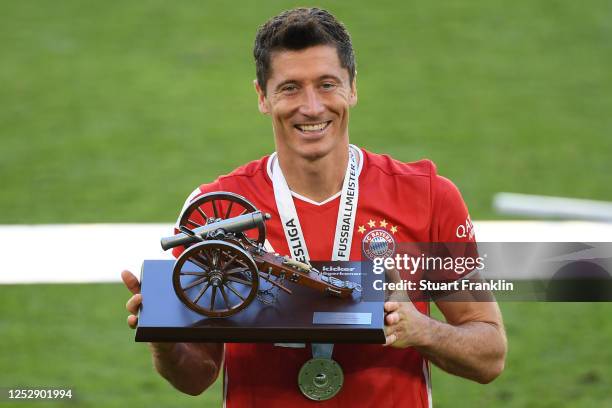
[453, 235]
[450, 218]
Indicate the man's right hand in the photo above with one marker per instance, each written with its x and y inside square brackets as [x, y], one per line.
[133, 304]
[190, 367]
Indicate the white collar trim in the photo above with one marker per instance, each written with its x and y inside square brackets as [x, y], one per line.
[272, 158]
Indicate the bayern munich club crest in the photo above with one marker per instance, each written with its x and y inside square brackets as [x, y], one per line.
[378, 242]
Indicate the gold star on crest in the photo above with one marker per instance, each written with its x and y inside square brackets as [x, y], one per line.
[371, 223]
[383, 224]
[361, 229]
[393, 229]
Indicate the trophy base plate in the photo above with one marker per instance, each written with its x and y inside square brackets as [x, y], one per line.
[306, 316]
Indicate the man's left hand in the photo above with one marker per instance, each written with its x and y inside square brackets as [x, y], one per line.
[405, 326]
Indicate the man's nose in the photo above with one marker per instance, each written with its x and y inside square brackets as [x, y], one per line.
[311, 105]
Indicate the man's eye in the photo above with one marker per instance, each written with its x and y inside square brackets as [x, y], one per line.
[328, 85]
[289, 88]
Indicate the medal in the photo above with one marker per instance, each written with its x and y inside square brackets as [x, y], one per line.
[320, 378]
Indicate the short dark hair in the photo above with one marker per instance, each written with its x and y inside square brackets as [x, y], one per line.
[297, 29]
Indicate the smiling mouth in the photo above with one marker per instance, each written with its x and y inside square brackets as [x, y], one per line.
[313, 127]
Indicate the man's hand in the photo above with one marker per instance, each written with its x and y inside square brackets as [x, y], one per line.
[405, 326]
[191, 368]
[471, 344]
[133, 304]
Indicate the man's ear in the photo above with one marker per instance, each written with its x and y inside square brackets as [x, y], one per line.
[353, 95]
[261, 98]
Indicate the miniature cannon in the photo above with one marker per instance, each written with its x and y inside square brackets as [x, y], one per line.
[224, 236]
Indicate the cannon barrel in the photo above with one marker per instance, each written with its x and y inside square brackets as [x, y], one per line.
[240, 223]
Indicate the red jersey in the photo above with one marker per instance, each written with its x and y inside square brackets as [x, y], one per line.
[407, 200]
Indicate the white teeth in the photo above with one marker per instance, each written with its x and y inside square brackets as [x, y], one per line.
[313, 128]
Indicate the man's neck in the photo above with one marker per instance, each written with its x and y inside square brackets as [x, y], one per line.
[316, 179]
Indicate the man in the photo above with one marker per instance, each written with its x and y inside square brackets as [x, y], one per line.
[306, 84]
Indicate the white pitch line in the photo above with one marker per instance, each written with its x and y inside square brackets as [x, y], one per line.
[99, 252]
[77, 252]
[543, 231]
[552, 207]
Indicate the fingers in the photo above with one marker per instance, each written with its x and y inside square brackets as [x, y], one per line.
[390, 339]
[392, 318]
[133, 304]
[391, 327]
[391, 306]
[131, 282]
[391, 322]
[132, 321]
[389, 330]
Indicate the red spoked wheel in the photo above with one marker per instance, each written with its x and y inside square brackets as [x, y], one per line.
[215, 278]
[217, 206]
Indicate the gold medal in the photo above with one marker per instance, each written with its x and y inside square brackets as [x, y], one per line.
[320, 379]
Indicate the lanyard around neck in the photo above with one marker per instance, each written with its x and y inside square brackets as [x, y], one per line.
[345, 222]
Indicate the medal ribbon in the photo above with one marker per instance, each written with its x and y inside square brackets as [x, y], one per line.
[345, 223]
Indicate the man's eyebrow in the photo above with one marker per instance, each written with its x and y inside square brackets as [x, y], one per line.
[330, 76]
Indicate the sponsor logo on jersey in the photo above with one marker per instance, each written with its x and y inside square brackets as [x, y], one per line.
[466, 230]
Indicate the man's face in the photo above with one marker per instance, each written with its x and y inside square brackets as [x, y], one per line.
[308, 96]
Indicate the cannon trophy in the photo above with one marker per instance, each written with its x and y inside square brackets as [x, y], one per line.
[225, 256]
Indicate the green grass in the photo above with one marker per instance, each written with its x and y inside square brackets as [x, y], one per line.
[75, 336]
[115, 111]
[558, 357]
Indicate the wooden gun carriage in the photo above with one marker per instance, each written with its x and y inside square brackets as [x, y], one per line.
[224, 235]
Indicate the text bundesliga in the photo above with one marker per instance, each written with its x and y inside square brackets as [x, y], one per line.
[433, 286]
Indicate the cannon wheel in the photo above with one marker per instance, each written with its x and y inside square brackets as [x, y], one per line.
[220, 206]
[215, 278]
